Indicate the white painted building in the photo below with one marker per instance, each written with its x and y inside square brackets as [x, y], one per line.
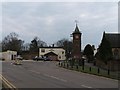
[8, 55]
[53, 53]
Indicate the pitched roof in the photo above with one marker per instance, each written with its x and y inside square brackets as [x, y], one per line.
[114, 39]
[76, 30]
[52, 47]
[51, 53]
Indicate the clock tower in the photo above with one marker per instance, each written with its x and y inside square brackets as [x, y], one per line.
[76, 43]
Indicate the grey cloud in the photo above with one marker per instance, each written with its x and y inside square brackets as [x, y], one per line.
[52, 21]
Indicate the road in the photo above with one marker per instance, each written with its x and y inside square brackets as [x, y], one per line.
[33, 74]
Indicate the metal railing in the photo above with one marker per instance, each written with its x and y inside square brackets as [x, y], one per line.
[90, 69]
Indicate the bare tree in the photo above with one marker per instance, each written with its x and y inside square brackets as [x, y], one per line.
[26, 47]
[36, 43]
[66, 44]
[12, 42]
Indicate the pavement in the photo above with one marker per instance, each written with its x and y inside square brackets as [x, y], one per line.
[40, 74]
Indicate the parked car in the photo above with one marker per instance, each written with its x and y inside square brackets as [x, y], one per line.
[47, 59]
[36, 58]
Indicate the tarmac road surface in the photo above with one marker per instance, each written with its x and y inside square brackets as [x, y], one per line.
[33, 74]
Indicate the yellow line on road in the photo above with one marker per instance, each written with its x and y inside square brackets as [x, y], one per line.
[9, 85]
[5, 82]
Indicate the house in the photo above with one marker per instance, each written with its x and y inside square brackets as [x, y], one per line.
[53, 53]
[114, 39]
[8, 55]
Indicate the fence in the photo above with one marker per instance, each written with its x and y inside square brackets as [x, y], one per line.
[91, 70]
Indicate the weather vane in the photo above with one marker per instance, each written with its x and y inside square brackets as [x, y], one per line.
[76, 21]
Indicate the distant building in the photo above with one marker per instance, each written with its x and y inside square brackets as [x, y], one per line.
[114, 39]
[8, 55]
[53, 53]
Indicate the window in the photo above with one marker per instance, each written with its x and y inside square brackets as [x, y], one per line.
[62, 52]
[59, 57]
[43, 50]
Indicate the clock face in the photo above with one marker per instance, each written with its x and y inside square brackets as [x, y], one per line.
[76, 36]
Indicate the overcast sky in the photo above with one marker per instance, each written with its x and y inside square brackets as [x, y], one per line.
[52, 21]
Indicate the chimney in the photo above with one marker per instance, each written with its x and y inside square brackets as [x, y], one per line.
[52, 45]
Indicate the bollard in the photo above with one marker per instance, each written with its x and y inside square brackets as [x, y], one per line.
[64, 64]
[77, 67]
[90, 69]
[61, 64]
[98, 70]
[108, 72]
[83, 67]
[71, 66]
[67, 65]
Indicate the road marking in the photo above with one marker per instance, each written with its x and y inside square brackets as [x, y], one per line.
[5, 82]
[49, 76]
[10, 85]
[35, 72]
[58, 78]
[86, 86]
[55, 77]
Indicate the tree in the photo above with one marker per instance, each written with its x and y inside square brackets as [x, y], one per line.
[66, 44]
[26, 47]
[88, 51]
[11, 42]
[36, 43]
[104, 51]
[61, 43]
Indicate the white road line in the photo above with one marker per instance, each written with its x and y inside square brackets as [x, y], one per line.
[49, 76]
[86, 86]
[55, 77]
[59, 79]
[35, 72]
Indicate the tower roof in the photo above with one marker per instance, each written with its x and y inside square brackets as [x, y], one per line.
[76, 30]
